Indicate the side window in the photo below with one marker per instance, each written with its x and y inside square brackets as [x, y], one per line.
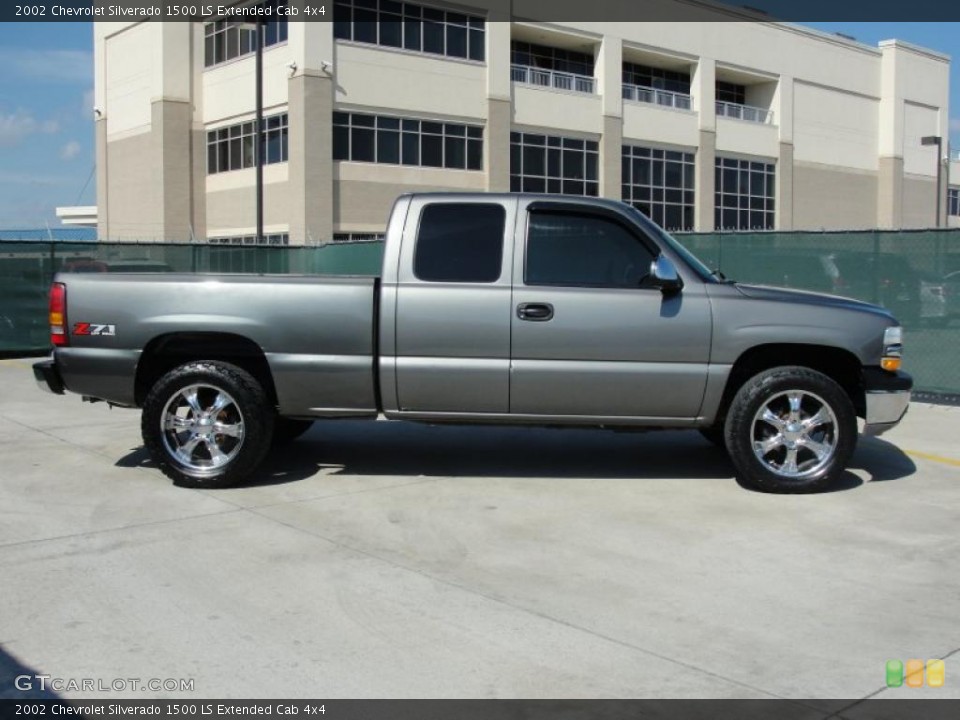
[584, 250]
[460, 242]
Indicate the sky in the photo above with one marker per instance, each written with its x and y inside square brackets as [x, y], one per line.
[46, 109]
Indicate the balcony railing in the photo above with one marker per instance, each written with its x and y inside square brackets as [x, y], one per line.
[744, 112]
[665, 98]
[551, 79]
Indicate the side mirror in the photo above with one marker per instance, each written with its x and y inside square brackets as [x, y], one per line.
[663, 274]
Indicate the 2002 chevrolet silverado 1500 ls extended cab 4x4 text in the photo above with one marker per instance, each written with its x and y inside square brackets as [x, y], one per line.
[513, 309]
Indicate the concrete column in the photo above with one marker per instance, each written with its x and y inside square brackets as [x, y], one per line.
[496, 145]
[784, 188]
[611, 153]
[310, 163]
[609, 76]
[705, 181]
[890, 166]
[703, 88]
[496, 140]
[890, 193]
[170, 140]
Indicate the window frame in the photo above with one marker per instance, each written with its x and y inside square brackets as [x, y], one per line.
[631, 186]
[438, 133]
[276, 126]
[417, 24]
[562, 145]
[636, 232]
[736, 170]
[276, 32]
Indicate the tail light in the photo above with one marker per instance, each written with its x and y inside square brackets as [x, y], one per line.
[58, 315]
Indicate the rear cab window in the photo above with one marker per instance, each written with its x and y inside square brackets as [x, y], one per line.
[460, 243]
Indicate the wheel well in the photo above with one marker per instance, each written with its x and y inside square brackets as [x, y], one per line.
[840, 365]
[166, 352]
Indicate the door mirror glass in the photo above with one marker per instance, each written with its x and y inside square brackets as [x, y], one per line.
[663, 274]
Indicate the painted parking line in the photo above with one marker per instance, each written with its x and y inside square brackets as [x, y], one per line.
[934, 458]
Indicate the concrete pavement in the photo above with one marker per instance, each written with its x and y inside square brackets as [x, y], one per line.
[394, 560]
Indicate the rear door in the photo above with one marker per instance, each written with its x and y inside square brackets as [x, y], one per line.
[590, 336]
[453, 306]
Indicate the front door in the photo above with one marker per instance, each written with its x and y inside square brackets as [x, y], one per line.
[589, 336]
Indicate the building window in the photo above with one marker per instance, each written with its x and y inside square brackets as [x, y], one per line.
[356, 237]
[411, 27]
[660, 184]
[543, 57]
[745, 195]
[656, 78]
[234, 147]
[228, 39]
[551, 164]
[731, 93]
[551, 67]
[460, 242]
[404, 141]
[272, 239]
[953, 201]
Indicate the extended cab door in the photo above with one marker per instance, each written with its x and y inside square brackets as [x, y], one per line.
[453, 306]
[590, 336]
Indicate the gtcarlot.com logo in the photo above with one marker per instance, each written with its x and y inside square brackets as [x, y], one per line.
[26, 683]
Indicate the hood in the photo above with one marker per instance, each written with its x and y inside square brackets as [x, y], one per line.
[777, 294]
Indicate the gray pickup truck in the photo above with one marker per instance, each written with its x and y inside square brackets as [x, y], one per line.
[512, 309]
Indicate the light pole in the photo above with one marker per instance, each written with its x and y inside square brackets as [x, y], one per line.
[938, 141]
[256, 27]
[259, 148]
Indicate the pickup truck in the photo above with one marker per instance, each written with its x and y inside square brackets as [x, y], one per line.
[490, 308]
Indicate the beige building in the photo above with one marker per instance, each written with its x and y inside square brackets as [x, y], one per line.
[703, 125]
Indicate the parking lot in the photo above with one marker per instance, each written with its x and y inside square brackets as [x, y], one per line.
[394, 560]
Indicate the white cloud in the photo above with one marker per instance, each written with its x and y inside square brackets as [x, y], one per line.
[70, 150]
[63, 66]
[15, 126]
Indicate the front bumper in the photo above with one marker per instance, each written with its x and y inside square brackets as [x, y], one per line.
[48, 377]
[887, 399]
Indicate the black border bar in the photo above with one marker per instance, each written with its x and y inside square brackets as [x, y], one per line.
[797, 11]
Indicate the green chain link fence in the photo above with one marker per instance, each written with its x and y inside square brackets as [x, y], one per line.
[914, 273]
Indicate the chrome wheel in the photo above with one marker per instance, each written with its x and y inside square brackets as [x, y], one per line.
[202, 429]
[794, 434]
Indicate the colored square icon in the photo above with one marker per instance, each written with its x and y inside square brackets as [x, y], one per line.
[935, 673]
[914, 673]
[894, 673]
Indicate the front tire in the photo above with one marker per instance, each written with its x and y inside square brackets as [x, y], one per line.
[790, 430]
[207, 424]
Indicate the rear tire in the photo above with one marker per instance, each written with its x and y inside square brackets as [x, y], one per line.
[790, 430]
[207, 424]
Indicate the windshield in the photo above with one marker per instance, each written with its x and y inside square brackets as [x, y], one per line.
[692, 260]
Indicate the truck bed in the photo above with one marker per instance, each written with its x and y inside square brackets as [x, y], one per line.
[317, 332]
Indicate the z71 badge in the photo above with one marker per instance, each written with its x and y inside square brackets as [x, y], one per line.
[94, 329]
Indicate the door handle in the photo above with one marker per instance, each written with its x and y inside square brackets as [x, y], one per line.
[535, 312]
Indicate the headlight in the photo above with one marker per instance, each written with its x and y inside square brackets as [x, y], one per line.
[892, 348]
